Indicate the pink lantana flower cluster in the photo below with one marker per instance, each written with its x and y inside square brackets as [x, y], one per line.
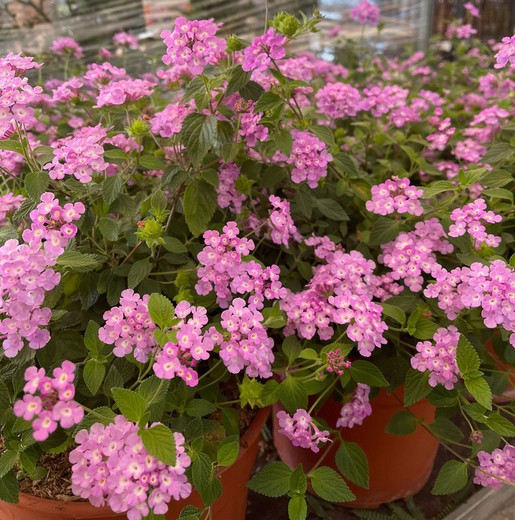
[250, 129]
[309, 157]
[366, 13]
[301, 430]
[500, 463]
[123, 91]
[357, 409]
[336, 362]
[228, 194]
[323, 246]
[469, 220]
[281, 226]
[168, 122]
[395, 195]
[193, 345]
[489, 287]
[472, 9]
[129, 327]
[439, 139]
[462, 31]
[337, 100]
[67, 46]
[48, 401]
[248, 345]
[193, 44]
[262, 50]
[125, 39]
[52, 225]
[439, 358]
[413, 253]
[80, 155]
[9, 203]
[110, 466]
[506, 54]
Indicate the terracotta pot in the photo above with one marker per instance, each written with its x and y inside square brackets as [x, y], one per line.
[400, 465]
[232, 505]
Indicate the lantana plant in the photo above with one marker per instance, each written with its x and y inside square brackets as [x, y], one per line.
[248, 226]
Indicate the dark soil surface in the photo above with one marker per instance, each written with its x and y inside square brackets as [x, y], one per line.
[426, 506]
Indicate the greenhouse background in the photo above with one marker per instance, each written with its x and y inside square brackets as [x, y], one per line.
[31, 25]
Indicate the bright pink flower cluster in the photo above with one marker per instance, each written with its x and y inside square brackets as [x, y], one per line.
[301, 430]
[414, 253]
[464, 31]
[340, 292]
[281, 226]
[395, 195]
[25, 277]
[439, 358]
[337, 100]
[250, 129]
[248, 345]
[469, 220]
[104, 73]
[439, 139]
[323, 246]
[193, 345]
[52, 225]
[489, 287]
[67, 46]
[336, 362]
[80, 155]
[125, 39]
[110, 466]
[8, 204]
[499, 463]
[169, 121]
[263, 49]
[469, 150]
[48, 401]
[472, 9]
[366, 13]
[193, 44]
[379, 101]
[228, 194]
[11, 162]
[123, 91]
[129, 327]
[68, 91]
[357, 409]
[506, 54]
[309, 157]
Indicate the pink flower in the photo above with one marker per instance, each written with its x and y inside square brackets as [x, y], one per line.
[506, 54]
[168, 121]
[366, 13]
[228, 194]
[395, 195]
[472, 9]
[67, 46]
[338, 100]
[355, 411]
[263, 49]
[500, 463]
[301, 430]
[124, 39]
[281, 225]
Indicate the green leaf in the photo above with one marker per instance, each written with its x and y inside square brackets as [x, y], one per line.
[139, 271]
[324, 133]
[345, 163]
[161, 310]
[424, 329]
[273, 317]
[7, 232]
[383, 230]
[497, 178]
[159, 441]
[467, 358]
[268, 101]
[199, 205]
[480, 391]
[36, 183]
[283, 142]
[499, 193]
[7, 461]
[198, 133]
[131, 404]
[12, 146]
[9, 487]
[190, 513]
[331, 209]
[79, 262]
[201, 470]
[91, 339]
[416, 386]
[435, 188]
[365, 372]
[102, 414]
[272, 481]
[94, 373]
[239, 78]
[109, 228]
[402, 423]
[452, 477]
[111, 188]
[116, 153]
[392, 311]
[353, 464]
[446, 430]
[298, 481]
[228, 450]
[291, 348]
[498, 153]
[251, 90]
[150, 162]
[297, 508]
[199, 408]
[174, 245]
[292, 393]
[500, 425]
[328, 485]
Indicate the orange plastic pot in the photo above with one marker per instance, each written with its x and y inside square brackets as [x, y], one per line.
[399, 465]
[232, 505]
